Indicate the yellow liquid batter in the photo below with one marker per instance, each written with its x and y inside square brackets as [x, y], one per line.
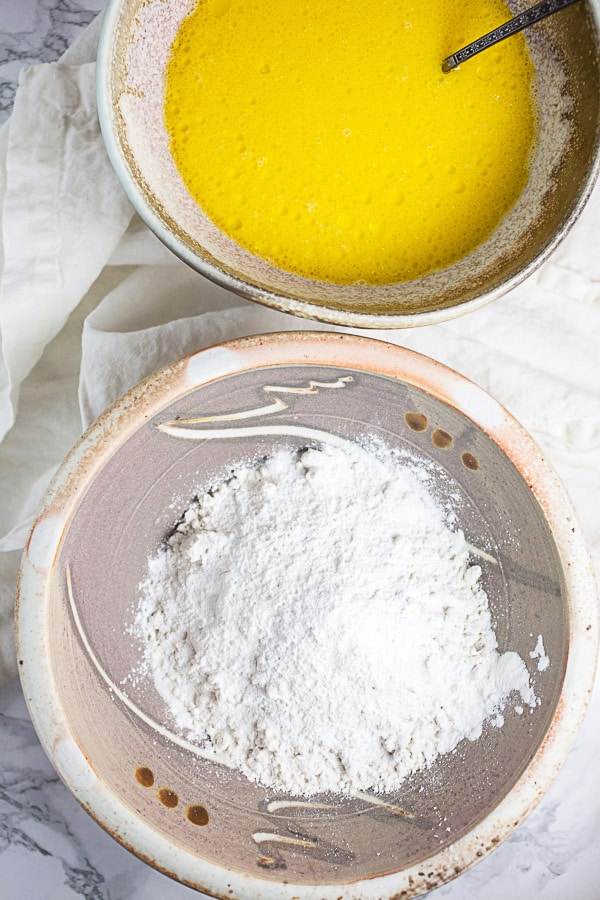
[321, 135]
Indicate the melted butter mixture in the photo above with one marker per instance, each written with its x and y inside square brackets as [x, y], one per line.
[322, 136]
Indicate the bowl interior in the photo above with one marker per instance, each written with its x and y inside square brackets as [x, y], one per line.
[120, 724]
[136, 45]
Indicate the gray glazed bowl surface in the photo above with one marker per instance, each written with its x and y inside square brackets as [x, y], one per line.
[121, 491]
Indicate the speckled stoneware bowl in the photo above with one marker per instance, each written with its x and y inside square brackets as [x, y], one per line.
[120, 493]
[133, 53]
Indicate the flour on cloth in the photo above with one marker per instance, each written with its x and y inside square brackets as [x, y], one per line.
[316, 623]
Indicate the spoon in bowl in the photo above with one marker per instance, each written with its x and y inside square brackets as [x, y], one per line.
[518, 23]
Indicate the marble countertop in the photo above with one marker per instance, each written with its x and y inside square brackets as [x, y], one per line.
[51, 850]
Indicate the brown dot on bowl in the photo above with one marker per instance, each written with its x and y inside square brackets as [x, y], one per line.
[168, 798]
[470, 461]
[442, 439]
[197, 815]
[145, 776]
[416, 421]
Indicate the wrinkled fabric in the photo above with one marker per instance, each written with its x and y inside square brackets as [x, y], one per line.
[91, 302]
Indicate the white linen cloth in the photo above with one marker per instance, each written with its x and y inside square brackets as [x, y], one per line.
[91, 302]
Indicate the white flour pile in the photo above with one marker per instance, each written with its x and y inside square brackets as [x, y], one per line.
[315, 623]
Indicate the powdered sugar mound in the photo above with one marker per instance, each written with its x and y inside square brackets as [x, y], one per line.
[315, 623]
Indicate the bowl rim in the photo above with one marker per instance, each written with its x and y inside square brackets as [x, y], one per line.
[275, 299]
[302, 348]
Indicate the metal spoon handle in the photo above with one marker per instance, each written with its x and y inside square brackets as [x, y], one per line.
[523, 20]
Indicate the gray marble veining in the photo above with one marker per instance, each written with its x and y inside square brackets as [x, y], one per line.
[32, 32]
[50, 849]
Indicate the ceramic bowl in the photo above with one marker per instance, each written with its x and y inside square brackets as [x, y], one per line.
[133, 53]
[119, 494]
